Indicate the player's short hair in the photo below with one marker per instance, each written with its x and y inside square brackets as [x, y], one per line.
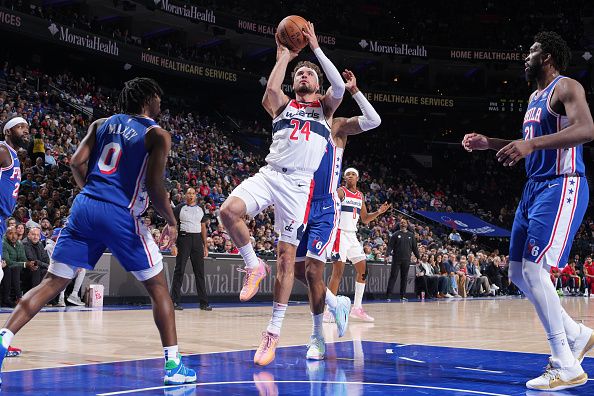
[552, 43]
[311, 65]
[136, 93]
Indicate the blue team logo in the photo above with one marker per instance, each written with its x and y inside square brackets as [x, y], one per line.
[533, 249]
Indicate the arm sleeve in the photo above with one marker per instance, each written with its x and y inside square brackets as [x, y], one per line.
[332, 74]
[370, 119]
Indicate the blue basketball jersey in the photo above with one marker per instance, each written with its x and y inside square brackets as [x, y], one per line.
[540, 120]
[327, 177]
[117, 166]
[10, 181]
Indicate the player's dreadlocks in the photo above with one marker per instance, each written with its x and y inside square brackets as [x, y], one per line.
[136, 93]
[552, 43]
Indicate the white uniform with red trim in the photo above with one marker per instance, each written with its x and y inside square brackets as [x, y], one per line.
[347, 245]
[300, 135]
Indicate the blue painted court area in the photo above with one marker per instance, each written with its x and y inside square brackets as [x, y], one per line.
[351, 368]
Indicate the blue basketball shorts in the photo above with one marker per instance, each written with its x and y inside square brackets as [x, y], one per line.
[547, 219]
[95, 225]
[320, 232]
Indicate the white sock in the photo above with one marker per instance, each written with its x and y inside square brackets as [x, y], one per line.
[249, 256]
[6, 336]
[78, 282]
[331, 300]
[171, 353]
[276, 321]
[317, 325]
[359, 290]
[61, 298]
[560, 349]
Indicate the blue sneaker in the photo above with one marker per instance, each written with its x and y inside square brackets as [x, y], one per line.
[178, 374]
[3, 352]
[341, 314]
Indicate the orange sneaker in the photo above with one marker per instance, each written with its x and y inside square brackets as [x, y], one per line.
[252, 279]
[267, 349]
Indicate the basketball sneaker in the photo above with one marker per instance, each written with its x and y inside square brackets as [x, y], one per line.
[341, 314]
[178, 374]
[13, 352]
[252, 279]
[583, 343]
[73, 299]
[267, 349]
[359, 313]
[557, 378]
[2, 355]
[316, 349]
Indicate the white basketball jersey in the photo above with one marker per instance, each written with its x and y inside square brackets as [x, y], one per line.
[350, 210]
[299, 137]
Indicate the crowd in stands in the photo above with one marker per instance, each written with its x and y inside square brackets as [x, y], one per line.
[496, 25]
[206, 156]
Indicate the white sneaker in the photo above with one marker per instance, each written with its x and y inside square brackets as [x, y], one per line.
[557, 378]
[448, 295]
[316, 349]
[72, 299]
[61, 303]
[341, 314]
[583, 343]
[495, 287]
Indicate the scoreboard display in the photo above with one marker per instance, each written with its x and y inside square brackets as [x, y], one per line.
[507, 105]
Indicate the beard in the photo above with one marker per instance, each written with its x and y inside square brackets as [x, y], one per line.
[304, 89]
[20, 142]
[532, 72]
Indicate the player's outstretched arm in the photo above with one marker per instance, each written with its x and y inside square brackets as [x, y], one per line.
[367, 217]
[274, 97]
[580, 130]
[334, 95]
[79, 163]
[158, 144]
[476, 141]
[342, 127]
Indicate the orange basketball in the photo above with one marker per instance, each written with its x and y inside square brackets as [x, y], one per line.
[290, 32]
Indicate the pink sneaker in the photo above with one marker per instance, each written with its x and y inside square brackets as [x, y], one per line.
[359, 313]
[267, 349]
[252, 279]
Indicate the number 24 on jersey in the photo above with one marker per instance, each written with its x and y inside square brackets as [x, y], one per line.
[298, 130]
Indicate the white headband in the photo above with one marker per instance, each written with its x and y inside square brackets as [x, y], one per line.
[13, 122]
[355, 171]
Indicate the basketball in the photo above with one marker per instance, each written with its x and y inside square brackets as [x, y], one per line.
[290, 32]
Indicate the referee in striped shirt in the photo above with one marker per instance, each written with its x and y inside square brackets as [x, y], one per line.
[191, 243]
